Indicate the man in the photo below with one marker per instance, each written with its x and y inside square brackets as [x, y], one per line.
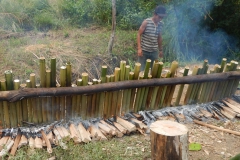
[149, 39]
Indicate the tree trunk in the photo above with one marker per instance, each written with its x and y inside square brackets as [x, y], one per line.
[110, 43]
[169, 140]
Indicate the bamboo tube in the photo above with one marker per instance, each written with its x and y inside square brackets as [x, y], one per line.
[48, 78]
[156, 89]
[147, 67]
[57, 107]
[137, 68]
[115, 107]
[32, 81]
[29, 107]
[69, 74]
[106, 112]
[125, 92]
[171, 89]
[42, 72]
[185, 73]
[103, 74]
[224, 84]
[110, 94]
[74, 104]
[168, 75]
[5, 105]
[129, 93]
[228, 92]
[79, 99]
[139, 95]
[122, 70]
[2, 123]
[44, 109]
[63, 76]
[53, 72]
[145, 96]
[213, 84]
[100, 108]
[223, 63]
[84, 97]
[9, 79]
[18, 104]
[94, 99]
[89, 104]
[190, 86]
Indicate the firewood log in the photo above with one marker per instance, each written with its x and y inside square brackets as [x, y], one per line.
[233, 102]
[65, 132]
[140, 124]
[38, 143]
[113, 129]
[75, 134]
[16, 143]
[50, 137]
[95, 131]
[85, 136]
[49, 147]
[7, 147]
[59, 129]
[3, 142]
[31, 143]
[105, 128]
[120, 127]
[233, 107]
[206, 113]
[128, 125]
[59, 139]
[23, 141]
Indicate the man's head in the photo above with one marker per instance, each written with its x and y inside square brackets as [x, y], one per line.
[160, 11]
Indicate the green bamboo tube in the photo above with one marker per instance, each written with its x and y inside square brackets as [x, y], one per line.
[16, 84]
[129, 92]
[38, 110]
[138, 96]
[223, 64]
[69, 74]
[155, 89]
[106, 111]
[29, 109]
[159, 97]
[2, 123]
[103, 74]
[234, 65]
[84, 97]
[57, 111]
[89, 103]
[114, 103]
[216, 88]
[79, 99]
[185, 73]
[168, 75]
[122, 70]
[125, 92]
[53, 72]
[146, 96]
[13, 110]
[48, 78]
[94, 99]
[171, 89]
[32, 80]
[5, 106]
[74, 104]
[9, 79]
[136, 71]
[42, 72]
[209, 88]
[235, 84]
[63, 76]
[147, 67]
[155, 69]
[213, 85]
[100, 107]
[190, 86]
[137, 68]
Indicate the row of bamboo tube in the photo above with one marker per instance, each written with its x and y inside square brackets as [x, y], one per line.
[106, 104]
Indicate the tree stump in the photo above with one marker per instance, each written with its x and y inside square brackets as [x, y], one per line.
[169, 140]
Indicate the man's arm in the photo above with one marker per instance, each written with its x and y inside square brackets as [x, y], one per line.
[160, 45]
[140, 32]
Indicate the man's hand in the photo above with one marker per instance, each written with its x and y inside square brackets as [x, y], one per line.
[161, 54]
[140, 54]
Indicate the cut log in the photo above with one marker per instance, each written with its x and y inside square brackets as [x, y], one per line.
[59, 129]
[113, 129]
[50, 137]
[7, 147]
[31, 143]
[75, 134]
[105, 128]
[120, 127]
[48, 143]
[233, 102]
[140, 124]
[23, 141]
[16, 143]
[169, 140]
[234, 108]
[206, 113]
[128, 125]
[85, 136]
[59, 139]
[38, 143]
[65, 132]
[3, 142]
[95, 131]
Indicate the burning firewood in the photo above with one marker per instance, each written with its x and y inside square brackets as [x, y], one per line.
[85, 136]
[75, 134]
[59, 139]
[206, 113]
[23, 141]
[120, 127]
[128, 125]
[233, 107]
[233, 102]
[113, 129]
[16, 143]
[65, 132]
[96, 133]
[105, 128]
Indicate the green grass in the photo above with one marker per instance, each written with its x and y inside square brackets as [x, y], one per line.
[133, 147]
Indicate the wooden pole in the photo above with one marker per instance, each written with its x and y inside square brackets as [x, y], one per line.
[169, 141]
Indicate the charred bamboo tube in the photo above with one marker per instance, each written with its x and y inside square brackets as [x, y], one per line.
[169, 96]
[53, 72]
[137, 68]
[156, 89]
[185, 73]
[5, 105]
[103, 74]
[18, 103]
[125, 92]
[190, 86]
[9, 79]
[42, 72]
[48, 78]
[84, 97]
[68, 74]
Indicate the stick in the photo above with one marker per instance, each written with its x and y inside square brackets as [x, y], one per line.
[217, 128]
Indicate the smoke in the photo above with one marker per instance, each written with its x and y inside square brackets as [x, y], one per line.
[188, 37]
